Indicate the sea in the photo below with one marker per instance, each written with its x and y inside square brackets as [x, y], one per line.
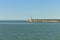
[19, 30]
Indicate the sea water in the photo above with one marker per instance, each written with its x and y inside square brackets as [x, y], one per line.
[29, 31]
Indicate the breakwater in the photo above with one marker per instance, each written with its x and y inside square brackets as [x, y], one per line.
[43, 20]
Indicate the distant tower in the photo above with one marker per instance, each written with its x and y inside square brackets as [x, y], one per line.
[30, 20]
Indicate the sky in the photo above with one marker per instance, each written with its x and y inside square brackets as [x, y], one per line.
[24, 9]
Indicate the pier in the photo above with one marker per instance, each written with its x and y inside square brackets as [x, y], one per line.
[43, 20]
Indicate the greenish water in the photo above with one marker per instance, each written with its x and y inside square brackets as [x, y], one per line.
[29, 31]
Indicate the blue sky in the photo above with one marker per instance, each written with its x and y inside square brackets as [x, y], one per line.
[24, 9]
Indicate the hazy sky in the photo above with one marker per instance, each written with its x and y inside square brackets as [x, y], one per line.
[24, 9]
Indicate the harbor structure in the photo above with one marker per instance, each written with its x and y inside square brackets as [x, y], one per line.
[43, 20]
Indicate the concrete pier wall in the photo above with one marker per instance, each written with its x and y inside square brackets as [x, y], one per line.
[43, 20]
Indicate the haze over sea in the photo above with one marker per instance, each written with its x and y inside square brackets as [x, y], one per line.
[17, 30]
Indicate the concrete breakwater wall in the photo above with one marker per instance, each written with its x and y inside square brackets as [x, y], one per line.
[43, 20]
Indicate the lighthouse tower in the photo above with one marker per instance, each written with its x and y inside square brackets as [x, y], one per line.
[30, 20]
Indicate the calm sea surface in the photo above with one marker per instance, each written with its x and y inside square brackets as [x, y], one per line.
[29, 31]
